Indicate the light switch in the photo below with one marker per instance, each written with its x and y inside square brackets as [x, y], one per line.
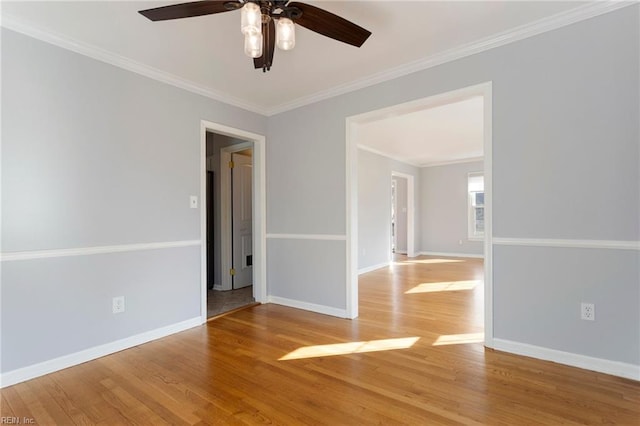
[193, 201]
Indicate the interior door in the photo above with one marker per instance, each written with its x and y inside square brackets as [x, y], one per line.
[242, 223]
[210, 236]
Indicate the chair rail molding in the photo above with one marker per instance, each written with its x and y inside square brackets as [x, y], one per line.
[85, 251]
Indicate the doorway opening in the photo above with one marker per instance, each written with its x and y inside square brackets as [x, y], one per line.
[233, 220]
[355, 127]
[394, 209]
[403, 214]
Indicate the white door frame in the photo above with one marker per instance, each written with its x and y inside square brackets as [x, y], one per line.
[226, 234]
[259, 210]
[484, 90]
[411, 246]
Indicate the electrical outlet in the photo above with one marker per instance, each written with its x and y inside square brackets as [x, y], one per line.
[588, 311]
[118, 304]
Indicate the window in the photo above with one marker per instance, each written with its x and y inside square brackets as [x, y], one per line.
[476, 206]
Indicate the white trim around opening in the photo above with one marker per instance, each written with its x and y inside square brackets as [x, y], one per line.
[484, 90]
[259, 209]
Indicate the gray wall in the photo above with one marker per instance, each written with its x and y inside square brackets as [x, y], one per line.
[544, 301]
[565, 165]
[58, 306]
[93, 155]
[374, 206]
[306, 196]
[444, 206]
[440, 206]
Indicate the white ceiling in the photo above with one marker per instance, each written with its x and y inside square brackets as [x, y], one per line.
[443, 134]
[205, 54]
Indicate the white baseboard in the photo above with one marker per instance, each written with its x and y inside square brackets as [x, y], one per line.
[615, 368]
[321, 309]
[373, 268]
[26, 373]
[401, 252]
[437, 253]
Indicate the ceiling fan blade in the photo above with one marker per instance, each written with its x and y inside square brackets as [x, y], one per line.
[187, 10]
[330, 25]
[268, 46]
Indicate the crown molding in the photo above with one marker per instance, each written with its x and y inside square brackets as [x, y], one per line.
[540, 26]
[384, 154]
[559, 20]
[15, 24]
[452, 162]
[420, 165]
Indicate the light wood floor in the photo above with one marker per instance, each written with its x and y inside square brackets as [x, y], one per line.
[386, 367]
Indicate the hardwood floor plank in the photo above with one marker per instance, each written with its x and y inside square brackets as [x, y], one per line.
[430, 412]
[161, 404]
[6, 408]
[36, 405]
[64, 401]
[272, 364]
[79, 389]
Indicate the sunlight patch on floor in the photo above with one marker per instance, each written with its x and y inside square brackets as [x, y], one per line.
[444, 286]
[350, 348]
[459, 339]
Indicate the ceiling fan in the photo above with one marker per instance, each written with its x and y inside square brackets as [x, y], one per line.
[267, 23]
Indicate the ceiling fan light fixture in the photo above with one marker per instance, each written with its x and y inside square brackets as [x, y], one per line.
[253, 44]
[251, 18]
[259, 19]
[285, 34]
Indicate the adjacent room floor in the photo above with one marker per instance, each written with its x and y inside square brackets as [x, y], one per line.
[414, 356]
[219, 302]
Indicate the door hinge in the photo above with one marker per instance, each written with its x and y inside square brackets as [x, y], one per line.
[232, 272]
[231, 164]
